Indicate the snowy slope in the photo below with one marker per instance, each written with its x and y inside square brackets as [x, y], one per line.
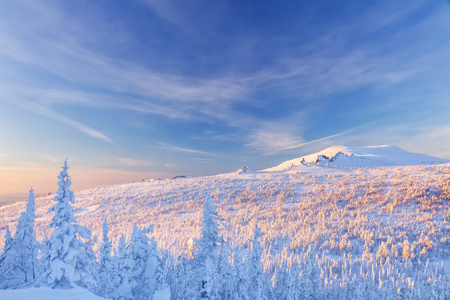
[48, 294]
[372, 157]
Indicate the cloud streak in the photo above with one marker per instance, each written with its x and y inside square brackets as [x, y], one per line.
[329, 137]
[45, 111]
[278, 140]
[181, 149]
[186, 97]
[134, 162]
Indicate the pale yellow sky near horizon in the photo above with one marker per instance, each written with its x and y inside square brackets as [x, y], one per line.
[16, 181]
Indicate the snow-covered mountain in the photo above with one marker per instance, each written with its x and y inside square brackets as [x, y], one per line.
[371, 157]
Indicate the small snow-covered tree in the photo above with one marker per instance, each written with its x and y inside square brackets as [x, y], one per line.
[6, 260]
[311, 275]
[206, 256]
[8, 240]
[255, 272]
[162, 289]
[23, 249]
[240, 283]
[123, 282]
[104, 275]
[25, 244]
[186, 275]
[280, 282]
[67, 260]
[294, 282]
[143, 252]
[224, 273]
[437, 290]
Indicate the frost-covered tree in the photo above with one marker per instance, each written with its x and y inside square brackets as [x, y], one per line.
[205, 259]
[311, 275]
[67, 258]
[143, 252]
[123, 281]
[25, 244]
[280, 282]
[6, 260]
[104, 275]
[225, 278]
[8, 240]
[294, 282]
[255, 272]
[22, 256]
[437, 289]
[162, 289]
[241, 284]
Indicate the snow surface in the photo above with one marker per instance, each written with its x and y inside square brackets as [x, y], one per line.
[162, 295]
[48, 294]
[357, 157]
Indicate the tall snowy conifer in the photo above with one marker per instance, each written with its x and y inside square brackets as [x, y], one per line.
[6, 260]
[67, 261]
[206, 257]
[105, 268]
[22, 252]
[255, 272]
[25, 244]
[225, 276]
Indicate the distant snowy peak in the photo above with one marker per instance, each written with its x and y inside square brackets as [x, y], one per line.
[358, 157]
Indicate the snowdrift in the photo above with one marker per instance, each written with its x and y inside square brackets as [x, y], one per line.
[45, 293]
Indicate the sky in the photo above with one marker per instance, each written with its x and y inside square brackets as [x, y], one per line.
[127, 90]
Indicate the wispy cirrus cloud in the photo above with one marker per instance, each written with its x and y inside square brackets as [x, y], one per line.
[176, 96]
[131, 162]
[181, 149]
[45, 111]
[273, 138]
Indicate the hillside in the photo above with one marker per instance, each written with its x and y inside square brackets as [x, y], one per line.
[391, 218]
[371, 157]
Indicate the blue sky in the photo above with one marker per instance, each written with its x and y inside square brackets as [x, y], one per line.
[136, 89]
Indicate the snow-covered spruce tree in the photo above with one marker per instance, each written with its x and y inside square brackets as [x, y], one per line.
[143, 252]
[437, 289]
[241, 284]
[255, 273]
[280, 282]
[66, 258]
[6, 260]
[8, 242]
[24, 249]
[294, 282]
[205, 259]
[225, 284]
[185, 274]
[104, 276]
[162, 289]
[310, 278]
[123, 282]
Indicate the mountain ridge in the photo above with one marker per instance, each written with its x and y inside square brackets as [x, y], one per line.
[357, 157]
